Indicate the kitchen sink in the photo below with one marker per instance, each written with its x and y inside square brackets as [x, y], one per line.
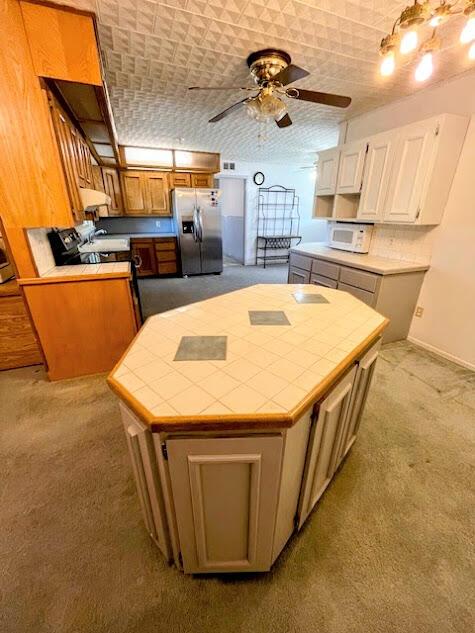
[105, 246]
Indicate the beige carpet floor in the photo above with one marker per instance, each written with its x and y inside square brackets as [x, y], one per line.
[388, 548]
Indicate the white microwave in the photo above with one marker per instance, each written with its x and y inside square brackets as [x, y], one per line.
[350, 237]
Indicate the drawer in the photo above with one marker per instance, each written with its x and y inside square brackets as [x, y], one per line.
[167, 268]
[301, 261]
[320, 280]
[359, 279]
[363, 295]
[298, 276]
[325, 268]
[166, 256]
[165, 244]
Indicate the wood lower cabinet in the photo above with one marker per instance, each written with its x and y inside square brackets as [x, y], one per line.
[157, 256]
[145, 193]
[225, 494]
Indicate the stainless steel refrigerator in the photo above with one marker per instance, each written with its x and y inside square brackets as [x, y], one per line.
[197, 215]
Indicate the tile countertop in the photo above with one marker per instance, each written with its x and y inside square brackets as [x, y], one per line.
[270, 371]
[372, 263]
[89, 269]
[115, 236]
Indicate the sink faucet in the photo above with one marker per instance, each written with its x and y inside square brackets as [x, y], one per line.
[94, 233]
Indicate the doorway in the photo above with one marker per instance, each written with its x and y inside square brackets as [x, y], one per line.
[233, 204]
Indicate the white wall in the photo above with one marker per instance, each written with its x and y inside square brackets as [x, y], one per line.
[448, 292]
[290, 176]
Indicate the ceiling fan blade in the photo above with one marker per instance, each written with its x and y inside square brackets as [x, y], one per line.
[285, 121]
[290, 74]
[224, 113]
[223, 88]
[324, 98]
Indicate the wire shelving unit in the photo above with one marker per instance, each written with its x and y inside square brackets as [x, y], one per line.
[278, 224]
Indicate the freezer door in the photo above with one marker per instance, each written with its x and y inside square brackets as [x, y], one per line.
[210, 229]
[184, 209]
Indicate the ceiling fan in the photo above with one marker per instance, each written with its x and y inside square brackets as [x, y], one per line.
[272, 70]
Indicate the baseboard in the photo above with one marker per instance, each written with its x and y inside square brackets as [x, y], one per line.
[436, 350]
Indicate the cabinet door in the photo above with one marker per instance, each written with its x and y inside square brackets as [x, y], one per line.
[363, 295]
[350, 172]
[147, 482]
[135, 193]
[327, 171]
[112, 189]
[157, 186]
[323, 444]
[143, 254]
[298, 276]
[320, 280]
[376, 175]
[413, 162]
[180, 180]
[202, 180]
[364, 376]
[225, 495]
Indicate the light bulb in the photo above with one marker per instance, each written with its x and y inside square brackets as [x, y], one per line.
[388, 64]
[425, 67]
[471, 51]
[409, 42]
[468, 33]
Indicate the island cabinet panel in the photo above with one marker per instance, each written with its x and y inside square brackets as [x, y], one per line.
[225, 495]
[147, 480]
[329, 419]
[363, 379]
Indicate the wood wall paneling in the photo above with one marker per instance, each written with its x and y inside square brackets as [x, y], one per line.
[83, 327]
[63, 43]
[32, 186]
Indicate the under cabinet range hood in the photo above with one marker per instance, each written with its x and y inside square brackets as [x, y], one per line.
[91, 198]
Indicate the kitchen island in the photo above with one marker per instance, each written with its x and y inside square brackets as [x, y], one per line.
[238, 411]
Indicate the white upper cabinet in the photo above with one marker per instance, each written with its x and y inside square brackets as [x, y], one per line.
[350, 172]
[327, 171]
[413, 161]
[376, 175]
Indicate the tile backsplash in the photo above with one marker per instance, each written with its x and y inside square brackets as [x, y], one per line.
[406, 243]
[41, 250]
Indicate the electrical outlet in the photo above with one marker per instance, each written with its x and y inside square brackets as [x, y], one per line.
[419, 311]
[157, 223]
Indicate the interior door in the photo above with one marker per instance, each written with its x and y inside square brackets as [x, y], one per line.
[413, 161]
[225, 494]
[327, 171]
[376, 175]
[350, 171]
[210, 226]
[323, 444]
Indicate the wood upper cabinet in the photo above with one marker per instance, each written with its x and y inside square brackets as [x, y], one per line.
[112, 188]
[145, 193]
[323, 444]
[63, 43]
[376, 175]
[204, 181]
[327, 171]
[179, 180]
[32, 186]
[350, 171]
[225, 494]
[411, 166]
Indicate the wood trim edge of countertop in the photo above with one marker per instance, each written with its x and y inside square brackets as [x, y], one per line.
[250, 421]
[32, 281]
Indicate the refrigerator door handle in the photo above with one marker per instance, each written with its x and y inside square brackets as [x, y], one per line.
[200, 224]
[196, 233]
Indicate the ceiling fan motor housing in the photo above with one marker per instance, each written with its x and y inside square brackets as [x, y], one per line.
[267, 63]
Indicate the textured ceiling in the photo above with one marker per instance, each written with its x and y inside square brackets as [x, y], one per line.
[154, 50]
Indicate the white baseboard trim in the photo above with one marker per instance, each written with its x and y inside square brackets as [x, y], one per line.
[440, 352]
